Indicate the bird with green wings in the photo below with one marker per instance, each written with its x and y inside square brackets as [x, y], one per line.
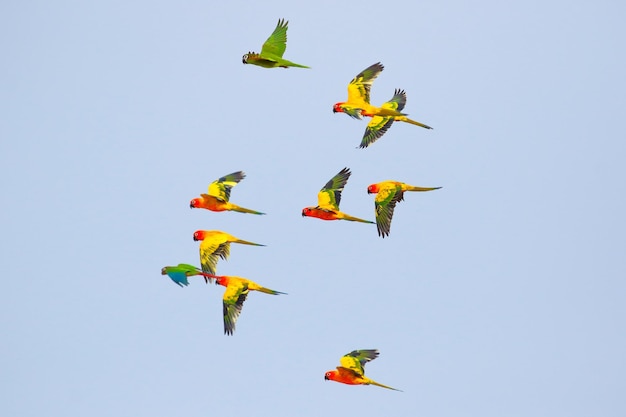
[351, 369]
[271, 55]
[358, 106]
[328, 200]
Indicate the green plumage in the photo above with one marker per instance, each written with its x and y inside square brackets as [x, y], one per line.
[271, 55]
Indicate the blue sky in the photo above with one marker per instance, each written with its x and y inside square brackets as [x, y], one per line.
[499, 295]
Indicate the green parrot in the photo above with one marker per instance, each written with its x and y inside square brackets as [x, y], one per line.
[180, 272]
[271, 55]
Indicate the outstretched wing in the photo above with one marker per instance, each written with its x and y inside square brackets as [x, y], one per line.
[233, 300]
[357, 359]
[210, 252]
[377, 127]
[276, 44]
[221, 187]
[384, 204]
[359, 87]
[329, 197]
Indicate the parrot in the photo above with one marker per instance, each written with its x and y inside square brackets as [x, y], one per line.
[180, 272]
[388, 193]
[351, 370]
[271, 55]
[358, 105]
[215, 244]
[328, 200]
[237, 290]
[218, 195]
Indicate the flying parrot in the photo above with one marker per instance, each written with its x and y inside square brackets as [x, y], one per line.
[180, 272]
[351, 370]
[328, 200]
[214, 245]
[218, 195]
[237, 290]
[388, 193]
[271, 55]
[358, 105]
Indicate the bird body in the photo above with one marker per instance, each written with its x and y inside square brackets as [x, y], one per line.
[237, 290]
[271, 55]
[218, 195]
[388, 193]
[351, 370]
[181, 272]
[214, 245]
[328, 200]
[358, 105]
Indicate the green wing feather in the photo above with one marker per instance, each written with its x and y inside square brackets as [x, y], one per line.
[384, 204]
[359, 87]
[379, 125]
[357, 359]
[221, 187]
[329, 197]
[233, 300]
[276, 44]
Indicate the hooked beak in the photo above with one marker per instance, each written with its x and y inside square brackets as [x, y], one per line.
[325, 377]
[368, 191]
[334, 110]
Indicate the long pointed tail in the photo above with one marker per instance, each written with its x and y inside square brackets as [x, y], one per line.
[414, 188]
[411, 121]
[355, 219]
[383, 386]
[268, 291]
[245, 242]
[244, 210]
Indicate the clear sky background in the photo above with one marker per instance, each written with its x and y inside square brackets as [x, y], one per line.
[502, 294]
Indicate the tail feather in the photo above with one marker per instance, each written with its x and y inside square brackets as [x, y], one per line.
[355, 219]
[371, 382]
[245, 242]
[414, 188]
[411, 121]
[244, 210]
[268, 291]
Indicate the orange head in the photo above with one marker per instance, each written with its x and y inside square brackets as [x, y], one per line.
[307, 211]
[195, 203]
[198, 235]
[330, 375]
[338, 108]
[373, 189]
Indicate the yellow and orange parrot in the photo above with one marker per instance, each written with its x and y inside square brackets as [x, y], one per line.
[358, 106]
[351, 370]
[237, 290]
[388, 193]
[218, 195]
[328, 200]
[214, 245]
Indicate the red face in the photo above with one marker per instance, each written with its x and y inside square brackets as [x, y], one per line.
[337, 108]
[372, 189]
[306, 212]
[198, 235]
[194, 203]
[330, 375]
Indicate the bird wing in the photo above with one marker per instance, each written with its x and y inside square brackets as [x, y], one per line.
[221, 187]
[384, 204]
[377, 127]
[233, 300]
[359, 87]
[329, 196]
[357, 359]
[210, 252]
[179, 277]
[276, 44]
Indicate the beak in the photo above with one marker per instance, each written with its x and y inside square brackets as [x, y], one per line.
[334, 110]
[368, 191]
[194, 239]
[326, 377]
[190, 205]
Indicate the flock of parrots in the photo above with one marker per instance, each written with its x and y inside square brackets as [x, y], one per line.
[215, 244]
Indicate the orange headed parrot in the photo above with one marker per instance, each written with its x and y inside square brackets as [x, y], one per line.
[180, 272]
[218, 195]
[388, 193]
[328, 200]
[351, 370]
[358, 105]
[237, 290]
[215, 245]
[271, 55]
